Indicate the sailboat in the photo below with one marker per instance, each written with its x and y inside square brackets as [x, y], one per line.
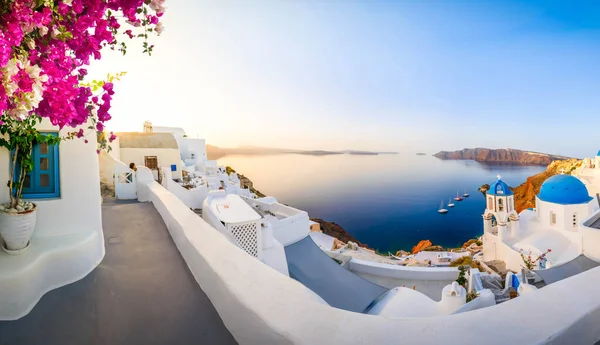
[442, 209]
[466, 195]
[450, 203]
[458, 197]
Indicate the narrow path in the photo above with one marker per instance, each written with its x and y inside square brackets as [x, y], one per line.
[142, 293]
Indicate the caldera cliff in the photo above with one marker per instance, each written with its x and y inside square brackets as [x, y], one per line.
[510, 156]
[525, 193]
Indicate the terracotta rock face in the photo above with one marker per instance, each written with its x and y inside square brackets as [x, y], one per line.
[526, 192]
[402, 253]
[335, 230]
[421, 245]
[512, 156]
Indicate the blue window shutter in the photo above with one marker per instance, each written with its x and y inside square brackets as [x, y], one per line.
[44, 180]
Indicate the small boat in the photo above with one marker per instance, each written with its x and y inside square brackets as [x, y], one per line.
[442, 209]
[458, 197]
[466, 195]
[450, 203]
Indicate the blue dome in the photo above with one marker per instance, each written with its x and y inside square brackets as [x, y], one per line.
[565, 190]
[598, 154]
[499, 188]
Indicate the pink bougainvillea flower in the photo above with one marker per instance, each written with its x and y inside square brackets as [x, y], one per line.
[46, 46]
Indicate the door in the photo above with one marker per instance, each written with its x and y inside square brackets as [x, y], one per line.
[125, 183]
[151, 162]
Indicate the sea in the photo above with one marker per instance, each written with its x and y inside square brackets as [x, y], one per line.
[388, 202]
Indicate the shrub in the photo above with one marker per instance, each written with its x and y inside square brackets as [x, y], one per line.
[465, 261]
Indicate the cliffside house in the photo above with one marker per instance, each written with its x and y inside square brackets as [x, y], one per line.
[152, 150]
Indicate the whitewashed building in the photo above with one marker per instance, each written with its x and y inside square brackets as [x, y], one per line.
[192, 150]
[561, 207]
[589, 174]
[152, 150]
[68, 240]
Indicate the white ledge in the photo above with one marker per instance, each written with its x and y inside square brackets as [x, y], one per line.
[51, 262]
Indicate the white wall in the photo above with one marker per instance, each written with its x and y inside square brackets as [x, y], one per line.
[288, 230]
[79, 201]
[426, 280]
[564, 214]
[591, 238]
[495, 249]
[198, 148]
[260, 306]
[107, 163]
[165, 157]
[68, 241]
[116, 149]
[178, 134]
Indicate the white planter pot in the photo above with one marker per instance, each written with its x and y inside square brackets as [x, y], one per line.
[16, 229]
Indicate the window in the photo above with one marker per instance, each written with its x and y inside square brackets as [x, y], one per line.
[151, 162]
[500, 205]
[44, 180]
[552, 218]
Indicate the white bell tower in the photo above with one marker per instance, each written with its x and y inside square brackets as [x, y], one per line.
[500, 204]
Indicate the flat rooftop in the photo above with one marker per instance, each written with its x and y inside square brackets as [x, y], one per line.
[141, 293]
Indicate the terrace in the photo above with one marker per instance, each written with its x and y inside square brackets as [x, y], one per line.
[141, 293]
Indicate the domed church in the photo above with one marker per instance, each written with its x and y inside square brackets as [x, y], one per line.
[562, 204]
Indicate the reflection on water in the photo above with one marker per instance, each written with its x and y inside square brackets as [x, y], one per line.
[389, 202]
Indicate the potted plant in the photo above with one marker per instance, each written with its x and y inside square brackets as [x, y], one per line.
[17, 217]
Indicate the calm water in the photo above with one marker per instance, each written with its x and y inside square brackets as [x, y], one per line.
[389, 202]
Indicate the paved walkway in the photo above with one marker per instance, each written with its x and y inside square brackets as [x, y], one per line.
[142, 293]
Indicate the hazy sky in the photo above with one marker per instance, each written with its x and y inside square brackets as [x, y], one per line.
[390, 75]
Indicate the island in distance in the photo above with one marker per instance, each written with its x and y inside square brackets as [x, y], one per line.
[508, 156]
[215, 152]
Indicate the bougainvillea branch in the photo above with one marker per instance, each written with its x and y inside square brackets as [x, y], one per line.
[46, 45]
